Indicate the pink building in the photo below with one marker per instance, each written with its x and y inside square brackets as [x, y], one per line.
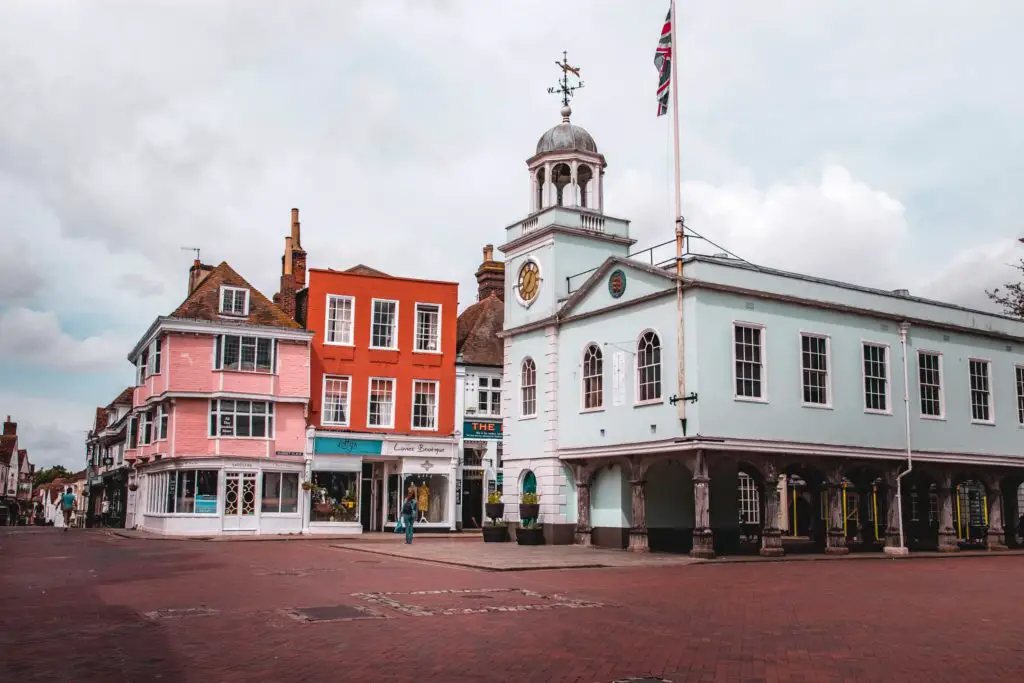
[218, 425]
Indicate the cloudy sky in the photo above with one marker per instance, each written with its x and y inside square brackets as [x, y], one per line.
[877, 142]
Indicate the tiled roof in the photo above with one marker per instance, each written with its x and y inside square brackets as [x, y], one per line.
[477, 340]
[124, 398]
[204, 302]
[100, 420]
[361, 269]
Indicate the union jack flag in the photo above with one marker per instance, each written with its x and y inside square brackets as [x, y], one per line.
[663, 62]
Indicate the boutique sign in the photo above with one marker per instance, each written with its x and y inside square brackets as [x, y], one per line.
[418, 448]
[476, 430]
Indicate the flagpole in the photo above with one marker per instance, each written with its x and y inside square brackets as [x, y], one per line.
[674, 88]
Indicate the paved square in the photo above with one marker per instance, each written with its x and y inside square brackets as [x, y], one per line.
[88, 606]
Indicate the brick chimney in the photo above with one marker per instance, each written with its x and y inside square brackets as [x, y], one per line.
[196, 274]
[10, 428]
[490, 276]
[293, 268]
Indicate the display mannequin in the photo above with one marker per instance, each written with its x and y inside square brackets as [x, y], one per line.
[423, 501]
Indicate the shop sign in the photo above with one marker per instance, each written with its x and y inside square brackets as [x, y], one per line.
[206, 505]
[291, 454]
[488, 430]
[330, 445]
[458, 490]
[414, 448]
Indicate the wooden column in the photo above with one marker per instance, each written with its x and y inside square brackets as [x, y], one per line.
[947, 535]
[703, 539]
[771, 535]
[995, 537]
[892, 514]
[638, 488]
[583, 530]
[835, 539]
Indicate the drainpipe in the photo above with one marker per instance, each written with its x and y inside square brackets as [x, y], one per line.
[902, 550]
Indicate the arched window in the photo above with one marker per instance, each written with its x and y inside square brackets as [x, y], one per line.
[593, 376]
[648, 367]
[528, 388]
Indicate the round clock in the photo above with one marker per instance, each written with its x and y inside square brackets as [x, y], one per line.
[529, 281]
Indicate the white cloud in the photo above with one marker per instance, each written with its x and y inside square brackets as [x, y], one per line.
[36, 338]
[52, 430]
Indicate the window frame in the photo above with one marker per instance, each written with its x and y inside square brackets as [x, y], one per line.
[348, 400]
[990, 390]
[269, 415]
[155, 360]
[394, 324]
[436, 411]
[220, 349]
[161, 423]
[763, 336]
[660, 398]
[280, 491]
[416, 327]
[827, 405]
[493, 387]
[369, 401]
[942, 386]
[146, 428]
[584, 377]
[352, 322]
[523, 415]
[1018, 369]
[864, 343]
[234, 289]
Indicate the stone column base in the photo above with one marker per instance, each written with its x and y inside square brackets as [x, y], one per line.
[638, 541]
[703, 544]
[994, 540]
[948, 542]
[835, 543]
[895, 550]
[771, 543]
[583, 537]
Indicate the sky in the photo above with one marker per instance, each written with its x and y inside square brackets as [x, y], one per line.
[876, 142]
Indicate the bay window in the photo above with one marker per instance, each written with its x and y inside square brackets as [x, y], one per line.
[280, 492]
[183, 492]
[245, 354]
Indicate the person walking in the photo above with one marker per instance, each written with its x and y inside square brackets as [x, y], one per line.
[67, 505]
[409, 513]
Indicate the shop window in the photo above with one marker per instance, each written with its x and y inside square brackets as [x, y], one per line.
[431, 492]
[280, 492]
[183, 492]
[334, 497]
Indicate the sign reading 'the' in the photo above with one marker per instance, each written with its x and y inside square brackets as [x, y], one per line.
[474, 430]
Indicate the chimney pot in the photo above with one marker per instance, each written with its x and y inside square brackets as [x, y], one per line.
[488, 252]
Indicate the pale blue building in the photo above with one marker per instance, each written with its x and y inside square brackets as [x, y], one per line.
[788, 426]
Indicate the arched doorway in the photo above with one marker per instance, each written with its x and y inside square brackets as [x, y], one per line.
[807, 510]
[668, 507]
[970, 512]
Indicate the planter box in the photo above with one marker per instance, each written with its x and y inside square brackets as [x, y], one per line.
[495, 510]
[495, 534]
[529, 510]
[530, 536]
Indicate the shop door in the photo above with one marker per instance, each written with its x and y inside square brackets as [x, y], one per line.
[472, 498]
[240, 501]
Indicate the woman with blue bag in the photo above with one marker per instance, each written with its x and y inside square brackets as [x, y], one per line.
[408, 516]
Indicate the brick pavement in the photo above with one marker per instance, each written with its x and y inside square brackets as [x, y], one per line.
[91, 606]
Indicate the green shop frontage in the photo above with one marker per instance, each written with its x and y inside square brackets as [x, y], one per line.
[356, 482]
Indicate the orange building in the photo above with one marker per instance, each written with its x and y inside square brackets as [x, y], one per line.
[382, 385]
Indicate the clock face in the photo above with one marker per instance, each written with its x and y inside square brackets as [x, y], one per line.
[529, 281]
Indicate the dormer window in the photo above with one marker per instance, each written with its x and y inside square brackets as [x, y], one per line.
[234, 301]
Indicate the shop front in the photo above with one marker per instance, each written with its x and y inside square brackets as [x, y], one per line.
[426, 468]
[213, 496]
[337, 500]
[479, 470]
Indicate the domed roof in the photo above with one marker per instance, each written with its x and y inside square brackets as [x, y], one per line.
[566, 137]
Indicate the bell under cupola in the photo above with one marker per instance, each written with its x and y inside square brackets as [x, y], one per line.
[566, 170]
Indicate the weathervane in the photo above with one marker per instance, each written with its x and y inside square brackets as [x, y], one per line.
[563, 87]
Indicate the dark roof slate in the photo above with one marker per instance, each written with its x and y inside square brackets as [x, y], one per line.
[476, 340]
[204, 302]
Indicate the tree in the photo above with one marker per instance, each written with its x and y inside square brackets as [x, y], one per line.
[1011, 295]
[49, 474]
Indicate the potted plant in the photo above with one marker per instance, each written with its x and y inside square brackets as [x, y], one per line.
[496, 531]
[309, 486]
[529, 507]
[494, 508]
[530, 533]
